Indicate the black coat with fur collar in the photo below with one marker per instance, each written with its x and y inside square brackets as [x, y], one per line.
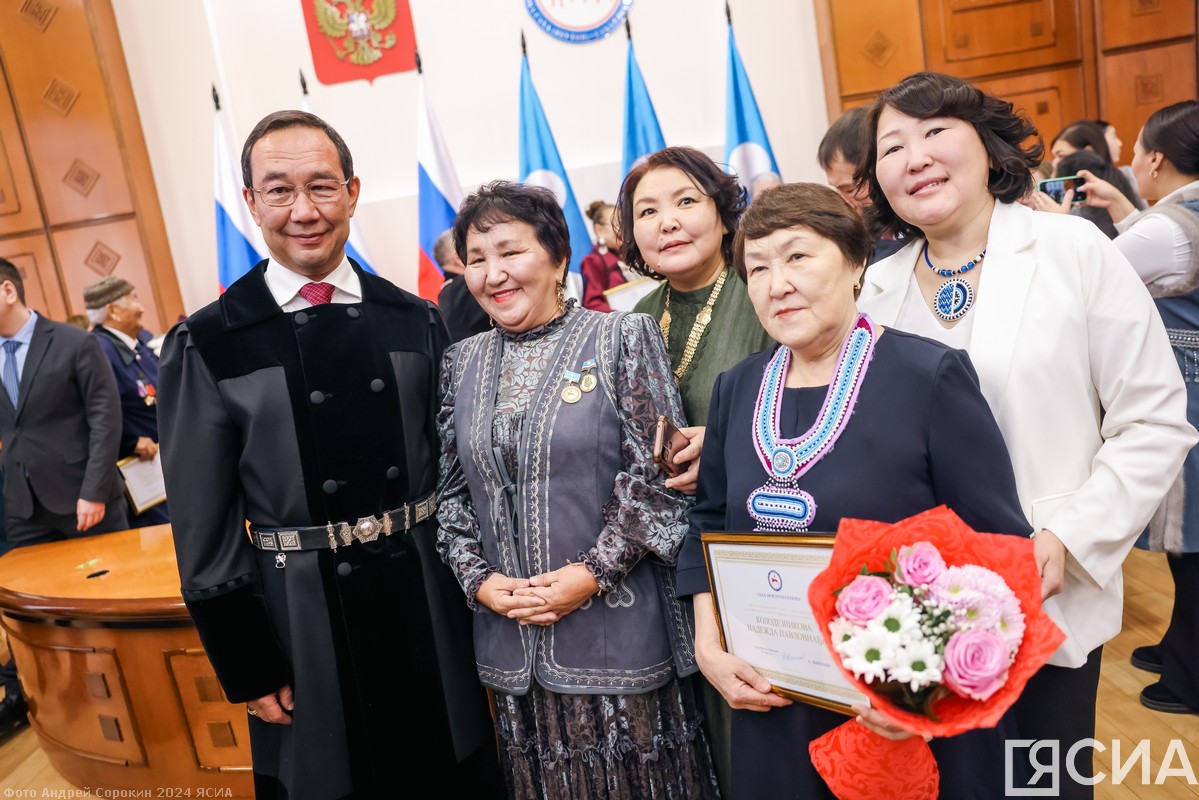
[303, 418]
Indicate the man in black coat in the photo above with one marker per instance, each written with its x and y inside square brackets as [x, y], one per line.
[60, 424]
[302, 402]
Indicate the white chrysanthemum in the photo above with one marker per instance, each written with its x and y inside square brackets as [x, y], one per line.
[841, 631]
[917, 664]
[901, 618]
[870, 653]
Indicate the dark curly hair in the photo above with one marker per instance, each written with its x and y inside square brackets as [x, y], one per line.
[1012, 142]
[504, 201]
[728, 195]
[804, 205]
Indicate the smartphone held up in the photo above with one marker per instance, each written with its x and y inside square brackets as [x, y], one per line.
[1056, 188]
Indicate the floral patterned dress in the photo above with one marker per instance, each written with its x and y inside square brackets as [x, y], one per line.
[556, 746]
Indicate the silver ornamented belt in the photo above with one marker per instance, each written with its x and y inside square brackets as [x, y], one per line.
[342, 534]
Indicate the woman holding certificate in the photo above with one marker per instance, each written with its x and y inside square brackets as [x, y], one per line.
[556, 521]
[842, 419]
[1071, 353]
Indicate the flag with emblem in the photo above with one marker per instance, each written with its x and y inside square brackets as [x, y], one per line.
[747, 152]
[359, 39]
[439, 194]
[239, 241]
[540, 165]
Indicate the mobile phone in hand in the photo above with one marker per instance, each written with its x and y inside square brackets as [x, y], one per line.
[1056, 188]
[669, 440]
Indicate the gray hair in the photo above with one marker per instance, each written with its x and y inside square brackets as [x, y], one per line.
[443, 248]
[98, 316]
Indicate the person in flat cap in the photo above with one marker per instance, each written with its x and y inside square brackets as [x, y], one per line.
[116, 314]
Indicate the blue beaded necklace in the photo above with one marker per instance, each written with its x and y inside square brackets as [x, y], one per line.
[956, 295]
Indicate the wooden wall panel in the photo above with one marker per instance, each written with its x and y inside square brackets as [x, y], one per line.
[59, 91]
[31, 254]
[1139, 82]
[1131, 22]
[878, 42]
[91, 252]
[19, 212]
[972, 38]
[1051, 99]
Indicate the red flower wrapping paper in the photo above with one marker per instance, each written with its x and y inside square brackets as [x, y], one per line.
[842, 755]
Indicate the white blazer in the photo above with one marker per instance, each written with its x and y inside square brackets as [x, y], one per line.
[1075, 364]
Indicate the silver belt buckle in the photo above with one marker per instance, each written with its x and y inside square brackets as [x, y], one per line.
[367, 529]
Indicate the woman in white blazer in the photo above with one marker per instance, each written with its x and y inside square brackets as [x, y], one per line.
[1071, 354]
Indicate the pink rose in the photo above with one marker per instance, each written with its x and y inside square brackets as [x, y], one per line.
[919, 564]
[864, 599]
[976, 663]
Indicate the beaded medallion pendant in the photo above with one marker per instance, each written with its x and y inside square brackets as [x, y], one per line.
[779, 504]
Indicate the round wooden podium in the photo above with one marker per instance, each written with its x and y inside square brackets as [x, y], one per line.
[121, 694]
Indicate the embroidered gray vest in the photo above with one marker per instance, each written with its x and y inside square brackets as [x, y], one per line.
[632, 640]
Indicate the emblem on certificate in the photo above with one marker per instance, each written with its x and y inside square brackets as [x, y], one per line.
[571, 392]
[760, 594]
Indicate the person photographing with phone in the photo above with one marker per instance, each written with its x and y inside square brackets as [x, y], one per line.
[1163, 246]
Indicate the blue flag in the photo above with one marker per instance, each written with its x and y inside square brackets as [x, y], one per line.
[747, 152]
[540, 165]
[642, 135]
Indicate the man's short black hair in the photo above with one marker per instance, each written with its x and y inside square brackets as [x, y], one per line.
[281, 120]
[846, 137]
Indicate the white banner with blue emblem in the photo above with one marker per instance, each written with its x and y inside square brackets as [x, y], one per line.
[578, 21]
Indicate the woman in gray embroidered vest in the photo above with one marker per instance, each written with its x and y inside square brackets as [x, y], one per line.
[558, 525]
[1163, 246]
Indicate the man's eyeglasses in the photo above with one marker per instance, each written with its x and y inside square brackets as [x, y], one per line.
[284, 194]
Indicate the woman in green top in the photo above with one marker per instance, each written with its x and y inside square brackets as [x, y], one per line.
[682, 211]
[676, 216]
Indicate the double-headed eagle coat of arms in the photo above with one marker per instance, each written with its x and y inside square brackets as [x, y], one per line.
[355, 30]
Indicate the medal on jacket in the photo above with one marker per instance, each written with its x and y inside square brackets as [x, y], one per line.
[779, 504]
[588, 383]
[571, 393]
[146, 390]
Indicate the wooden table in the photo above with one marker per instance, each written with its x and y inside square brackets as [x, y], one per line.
[120, 692]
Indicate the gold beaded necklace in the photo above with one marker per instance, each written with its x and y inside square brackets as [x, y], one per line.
[697, 328]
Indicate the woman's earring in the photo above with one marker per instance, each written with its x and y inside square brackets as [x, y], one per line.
[1153, 174]
[561, 297]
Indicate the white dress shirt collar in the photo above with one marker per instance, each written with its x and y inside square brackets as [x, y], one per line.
[284, 285]
[124, 338]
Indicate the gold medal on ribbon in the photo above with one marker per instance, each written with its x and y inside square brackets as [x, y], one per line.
[571, 392]
[588, 383]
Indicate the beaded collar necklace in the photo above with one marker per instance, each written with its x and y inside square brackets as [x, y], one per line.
[779, 504]
[697, 328]
[956, 295]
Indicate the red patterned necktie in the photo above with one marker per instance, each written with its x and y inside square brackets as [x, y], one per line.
[317, 293]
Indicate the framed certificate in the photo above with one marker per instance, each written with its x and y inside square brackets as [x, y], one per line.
[144, 485]
[760, 592]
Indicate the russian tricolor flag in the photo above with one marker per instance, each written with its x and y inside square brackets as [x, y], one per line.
[239, 241]
[439, 194]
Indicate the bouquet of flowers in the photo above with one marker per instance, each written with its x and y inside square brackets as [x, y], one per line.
[939, 626]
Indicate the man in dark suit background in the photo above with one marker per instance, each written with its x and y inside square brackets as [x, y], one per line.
[60, 424]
